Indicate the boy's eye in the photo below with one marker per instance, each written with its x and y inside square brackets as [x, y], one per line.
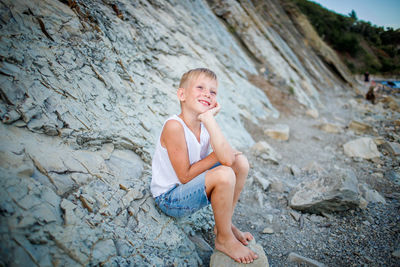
[213, 92]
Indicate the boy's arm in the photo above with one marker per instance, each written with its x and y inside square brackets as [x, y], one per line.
[173, 139]
[223, 150]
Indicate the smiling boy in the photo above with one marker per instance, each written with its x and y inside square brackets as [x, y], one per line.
[185, 177]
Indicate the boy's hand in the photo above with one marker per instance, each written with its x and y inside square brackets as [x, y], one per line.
[211, 112]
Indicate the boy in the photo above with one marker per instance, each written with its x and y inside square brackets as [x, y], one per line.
[186, 178]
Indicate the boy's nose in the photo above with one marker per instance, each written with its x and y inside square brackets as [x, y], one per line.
[207, 93]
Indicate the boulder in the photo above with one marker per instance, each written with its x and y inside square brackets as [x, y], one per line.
[264, 151]
[278, 132]
[363, 147]
[336, 192]
[219, 259]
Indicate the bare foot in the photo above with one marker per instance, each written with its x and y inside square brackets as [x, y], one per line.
[234, 249]
[243, 237]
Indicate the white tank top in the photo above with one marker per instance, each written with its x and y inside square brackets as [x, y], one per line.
[163, 174]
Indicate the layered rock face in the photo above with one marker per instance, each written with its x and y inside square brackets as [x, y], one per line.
[85, 89]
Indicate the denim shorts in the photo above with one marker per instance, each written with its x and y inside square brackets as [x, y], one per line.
[185, 199]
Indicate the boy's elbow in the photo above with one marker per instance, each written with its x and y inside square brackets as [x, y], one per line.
[183, 179]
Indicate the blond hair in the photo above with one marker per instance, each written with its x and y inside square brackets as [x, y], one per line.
[193, 74]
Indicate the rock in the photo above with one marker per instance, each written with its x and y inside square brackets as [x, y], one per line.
[330, 128]
[363, 203]
[264, 151]
[268, 230]
[392, 147]
[263, 182]
[278, 132]
[202, 247]
[360, 127]
[314, 167]
[277, 186]
[379, 140]
[294, 257]
[312, 113]
[370, 194]
[296, 216]
[336, 192]
[219, 259]
[363, 148]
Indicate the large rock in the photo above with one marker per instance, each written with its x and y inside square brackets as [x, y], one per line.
[336, 192]
[219, 259]
[364, 147]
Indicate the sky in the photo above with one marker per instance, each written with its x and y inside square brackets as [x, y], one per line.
[384, 13]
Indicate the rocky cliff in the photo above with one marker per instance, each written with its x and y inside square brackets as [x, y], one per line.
[85, 88]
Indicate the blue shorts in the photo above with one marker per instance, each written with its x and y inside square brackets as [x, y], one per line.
[185, 199]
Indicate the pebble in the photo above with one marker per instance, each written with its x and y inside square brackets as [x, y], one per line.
[268, 230]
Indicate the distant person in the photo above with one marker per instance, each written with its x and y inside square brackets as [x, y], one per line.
[185, 177]
[366, 77]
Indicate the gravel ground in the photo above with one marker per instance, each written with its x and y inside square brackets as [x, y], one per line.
[360, 237]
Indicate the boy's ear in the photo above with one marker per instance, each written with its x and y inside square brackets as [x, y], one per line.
[181, 94]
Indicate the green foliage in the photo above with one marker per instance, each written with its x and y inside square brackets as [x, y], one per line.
[346, 33]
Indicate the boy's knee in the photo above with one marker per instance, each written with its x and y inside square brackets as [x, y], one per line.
[226, 175]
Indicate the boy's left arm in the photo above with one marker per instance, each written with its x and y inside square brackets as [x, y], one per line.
[223, 150]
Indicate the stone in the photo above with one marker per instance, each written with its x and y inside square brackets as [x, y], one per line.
[264, 151]
[263, 182]
[268, 230]
[278, 132]
[330, 128]
[370, 194]
[336, 191]
[294, 257]
[296, 216]
[277, 186]
[360, 127]
[363, 148]
[313, 113]
[202, 247]
[393, 148]
[219, 259]
[379, 140]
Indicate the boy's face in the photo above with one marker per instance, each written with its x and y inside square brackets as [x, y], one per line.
[200, 94]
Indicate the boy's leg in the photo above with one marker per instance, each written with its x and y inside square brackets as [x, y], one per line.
[241, 169]
[220, 186]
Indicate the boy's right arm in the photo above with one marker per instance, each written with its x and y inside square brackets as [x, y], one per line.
[173, 139]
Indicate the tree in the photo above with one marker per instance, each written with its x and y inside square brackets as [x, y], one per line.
[353, 15]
